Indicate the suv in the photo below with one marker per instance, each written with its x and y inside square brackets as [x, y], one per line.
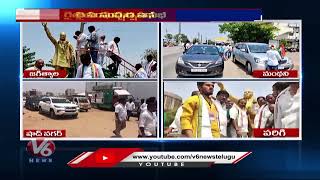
[82, 102]
[254, 57]
[56, 106]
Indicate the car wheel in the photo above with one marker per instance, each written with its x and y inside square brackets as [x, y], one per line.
[249, 68]
[75, 116]
[52, 114]
[86, 110]
[234, 59]
[40, 110]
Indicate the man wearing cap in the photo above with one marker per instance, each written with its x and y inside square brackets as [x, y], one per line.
[200, 118]
[64, 54]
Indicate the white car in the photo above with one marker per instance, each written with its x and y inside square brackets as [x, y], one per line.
[55, 106]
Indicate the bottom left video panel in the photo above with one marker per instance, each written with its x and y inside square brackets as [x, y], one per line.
[77, 110]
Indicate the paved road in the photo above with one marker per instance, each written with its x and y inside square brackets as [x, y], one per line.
[231, 70]
[93, 124]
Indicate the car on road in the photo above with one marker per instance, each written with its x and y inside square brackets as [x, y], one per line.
[56, 106]
[254, 57]
[200, 60]
[32, 103]
[82, 102]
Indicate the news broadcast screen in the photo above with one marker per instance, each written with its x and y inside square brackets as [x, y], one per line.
[119, 91]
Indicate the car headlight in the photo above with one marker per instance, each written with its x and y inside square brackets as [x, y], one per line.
[180, 61]
[257, 60]
[219, 61]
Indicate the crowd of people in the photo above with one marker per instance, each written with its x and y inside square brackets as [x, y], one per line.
[89, 59]
[203, 115]
[147, 117]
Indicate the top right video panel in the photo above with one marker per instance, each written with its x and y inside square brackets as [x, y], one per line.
[232, 50]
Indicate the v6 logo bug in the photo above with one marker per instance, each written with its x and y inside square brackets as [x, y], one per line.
[41, 148]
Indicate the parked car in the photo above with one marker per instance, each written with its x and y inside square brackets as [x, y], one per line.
[82, 102]
[254, 57]
[32, 103]
[55, 106]
[200, 60]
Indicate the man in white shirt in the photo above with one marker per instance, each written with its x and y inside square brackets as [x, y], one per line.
[81, 46]
[114, 54]
[103, 47]
[38, 65]
[121, 117]
[88, 69]
[151, 62]
[148, 119]
[130, 106]
[141, 73]
[273, 58]
[239, 117]
[287, 107]
[220, 103]
[264, 115]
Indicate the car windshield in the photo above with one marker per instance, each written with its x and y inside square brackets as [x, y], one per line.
[60, 101]
[83, 100]
[208, 50]
[261, 48]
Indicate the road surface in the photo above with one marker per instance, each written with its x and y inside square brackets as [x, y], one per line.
[231, 70]
[93, 124]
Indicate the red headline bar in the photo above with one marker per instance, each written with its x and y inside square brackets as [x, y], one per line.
[44, 74]
[276, 132]
[275, 74]
[44, 133]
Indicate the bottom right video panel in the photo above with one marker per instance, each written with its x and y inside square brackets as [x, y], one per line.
[244, 110]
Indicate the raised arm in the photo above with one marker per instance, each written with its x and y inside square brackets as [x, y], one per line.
[46, 29]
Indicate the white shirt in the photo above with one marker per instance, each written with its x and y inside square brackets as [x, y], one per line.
[141, 73]
[188, 45]
[82, 41]
[122, 112]
[112, 46]
[147, 120]
[87, 71]
[130, 106]
[143, 107]
[287, 110]
[148, 67]
[262, 116]
[103, 47]
[176, 122]
[241, 118]
[273, 57]
[223, 120]
[33, 68]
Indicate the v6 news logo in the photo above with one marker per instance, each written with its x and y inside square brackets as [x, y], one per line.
[41, 150]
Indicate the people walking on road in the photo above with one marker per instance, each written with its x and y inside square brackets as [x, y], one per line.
[148, 119]
[130, 106]
[121, 117]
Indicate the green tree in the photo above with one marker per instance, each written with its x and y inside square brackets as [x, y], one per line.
[195, 40]
[28, 57]
[249, 31]
[178, 38]
[210, 42]
[284, 42]
[168, 36]
[152, 52]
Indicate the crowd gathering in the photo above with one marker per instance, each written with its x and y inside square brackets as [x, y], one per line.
[90, 58]
[147, 117]
[203, 115]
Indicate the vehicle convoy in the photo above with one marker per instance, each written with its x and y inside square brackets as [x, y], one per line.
[106, 98]
[32, 103]
[56, 106]
[200, 60]
[82, 102]
[254, 57]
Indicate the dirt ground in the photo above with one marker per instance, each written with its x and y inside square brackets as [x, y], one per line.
[92, 124]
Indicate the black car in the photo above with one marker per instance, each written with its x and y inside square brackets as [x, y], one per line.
[200, 60]
[32, 103]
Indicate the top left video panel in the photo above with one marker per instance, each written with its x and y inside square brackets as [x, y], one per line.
[89, 50]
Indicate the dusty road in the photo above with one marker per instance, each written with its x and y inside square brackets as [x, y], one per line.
[231, 70]
[93, 124]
